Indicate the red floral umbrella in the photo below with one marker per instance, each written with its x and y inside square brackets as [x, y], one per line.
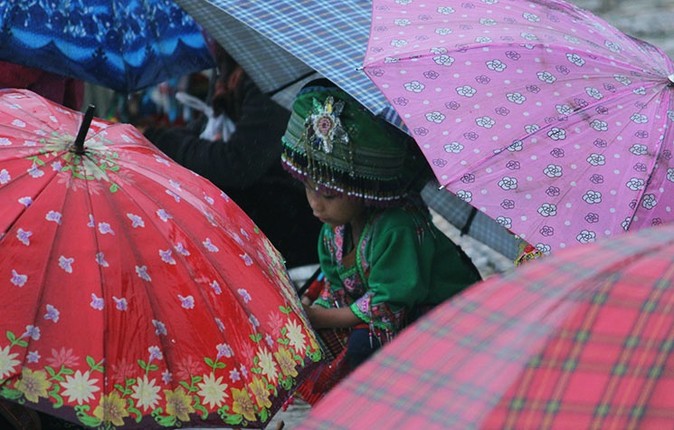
[582, 339]
[136, 293]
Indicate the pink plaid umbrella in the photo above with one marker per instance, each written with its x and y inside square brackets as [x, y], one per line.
[583, 339]
[538, 113]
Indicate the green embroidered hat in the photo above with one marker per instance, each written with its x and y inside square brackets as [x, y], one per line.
[339, 145]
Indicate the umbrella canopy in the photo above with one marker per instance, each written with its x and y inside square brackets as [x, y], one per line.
[270, 66]
[329, 37]
[578, 340]
[137, 294]
[538, 113]
[124, 45]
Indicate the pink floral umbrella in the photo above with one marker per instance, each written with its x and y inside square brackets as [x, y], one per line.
[538, 113]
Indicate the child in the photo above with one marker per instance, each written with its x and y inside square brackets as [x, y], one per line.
[384, 261]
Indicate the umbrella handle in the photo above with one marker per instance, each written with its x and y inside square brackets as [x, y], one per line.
[84, 127]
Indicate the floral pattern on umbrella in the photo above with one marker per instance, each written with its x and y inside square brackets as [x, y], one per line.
[538, 113]
[138, 294]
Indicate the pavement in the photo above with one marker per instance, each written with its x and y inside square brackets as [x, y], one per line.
[649, 20]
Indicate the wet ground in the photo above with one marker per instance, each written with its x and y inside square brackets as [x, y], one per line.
[650, 20]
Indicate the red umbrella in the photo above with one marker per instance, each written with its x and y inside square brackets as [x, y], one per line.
[582, 339]
[136, 293]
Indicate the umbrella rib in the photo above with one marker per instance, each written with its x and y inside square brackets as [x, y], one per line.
[245, 308]
[615, 388]
[546, 318]
[138, 167]
[101, 277]
[138, 260]
[291, 83]
[86, 242]
[552, 283]
[647, 393]
[661, 142]
[124, 224]
[15, 180]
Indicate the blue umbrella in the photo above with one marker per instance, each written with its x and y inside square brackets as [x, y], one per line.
[124, 45]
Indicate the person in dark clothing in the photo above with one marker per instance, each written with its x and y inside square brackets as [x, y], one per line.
[247, 164]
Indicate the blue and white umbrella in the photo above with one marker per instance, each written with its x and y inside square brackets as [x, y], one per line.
[124, 45]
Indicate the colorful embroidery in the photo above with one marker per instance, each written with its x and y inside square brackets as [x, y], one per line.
[383, 321]
[326, 125]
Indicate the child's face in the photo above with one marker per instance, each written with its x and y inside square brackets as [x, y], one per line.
[332, 208]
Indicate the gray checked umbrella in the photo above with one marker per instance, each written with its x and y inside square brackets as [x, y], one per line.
[313, 35]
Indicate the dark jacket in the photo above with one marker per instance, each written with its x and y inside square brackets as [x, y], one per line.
[248, 168]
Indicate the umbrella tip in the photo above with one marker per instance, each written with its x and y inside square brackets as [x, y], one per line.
[671, 79]
[84, 127]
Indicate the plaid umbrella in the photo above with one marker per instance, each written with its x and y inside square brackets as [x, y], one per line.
[581, 339]
[269, 65]
[329, 37]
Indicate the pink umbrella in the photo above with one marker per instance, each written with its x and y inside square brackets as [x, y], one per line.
[538, 113]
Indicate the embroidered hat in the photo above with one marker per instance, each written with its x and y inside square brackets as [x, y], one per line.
[339, 145]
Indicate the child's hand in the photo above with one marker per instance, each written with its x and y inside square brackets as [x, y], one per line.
[320, 317]
[310, 311]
